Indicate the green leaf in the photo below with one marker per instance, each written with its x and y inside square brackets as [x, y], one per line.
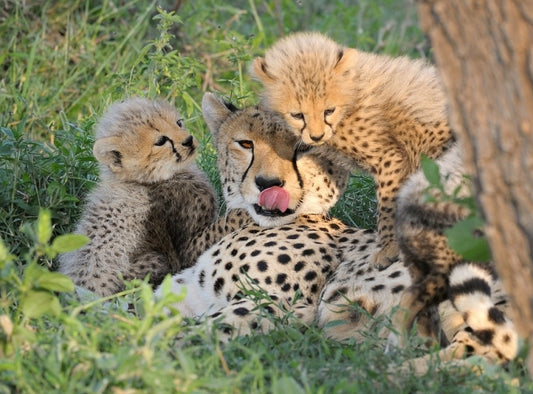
[335, 323]
[44, 226]
[462, 239]
[69, 242]
[287, 384]
[36, 303]
[431, 171]
[54, 281]
[5, 257]
[40, 278]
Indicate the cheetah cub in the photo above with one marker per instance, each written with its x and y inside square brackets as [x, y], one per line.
[151, 199]
[380, 112]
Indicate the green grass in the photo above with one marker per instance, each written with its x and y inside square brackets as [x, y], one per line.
[63, 63]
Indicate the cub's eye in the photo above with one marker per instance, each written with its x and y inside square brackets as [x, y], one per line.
[179, 122]
[297, 115]
[329, 111]
[161, 141]
[246, 144]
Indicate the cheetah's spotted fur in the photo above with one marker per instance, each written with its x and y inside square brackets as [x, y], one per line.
[380, 112]
[311, 254]
[150, 202]
[288, 254]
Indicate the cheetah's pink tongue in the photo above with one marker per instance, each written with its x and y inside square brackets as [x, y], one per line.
[274, 197]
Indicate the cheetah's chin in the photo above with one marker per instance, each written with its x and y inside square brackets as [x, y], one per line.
[272, 212]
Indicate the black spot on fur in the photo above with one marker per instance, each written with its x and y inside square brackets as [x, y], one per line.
[468, 287]
[284, 258]
[397, 289]
[308, 252]
[219, 283]
[496, 316]
[311, 275]
[281, 278]
[485, 336]
[241, 311]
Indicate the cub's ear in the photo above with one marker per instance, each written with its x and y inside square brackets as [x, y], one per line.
[108, 151]
[215, 111]
[346, 59]
[259, 70]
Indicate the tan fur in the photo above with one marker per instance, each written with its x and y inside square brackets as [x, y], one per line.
[150, 202]
[327, 262]
[381, 112]
[287, 256]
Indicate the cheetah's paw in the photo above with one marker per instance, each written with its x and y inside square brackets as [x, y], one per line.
[385, 256]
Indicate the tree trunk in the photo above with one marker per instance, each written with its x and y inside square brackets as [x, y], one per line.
[484, 51]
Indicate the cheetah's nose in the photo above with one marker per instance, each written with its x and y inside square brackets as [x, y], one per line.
[316, 138]
[264, 183]
[188, 141]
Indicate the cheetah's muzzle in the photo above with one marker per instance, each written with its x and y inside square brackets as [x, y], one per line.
[272, 212]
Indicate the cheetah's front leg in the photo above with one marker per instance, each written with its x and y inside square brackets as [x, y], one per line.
[390, 174]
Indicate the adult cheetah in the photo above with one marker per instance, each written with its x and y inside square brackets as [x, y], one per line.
[302, 253]
[290, 248]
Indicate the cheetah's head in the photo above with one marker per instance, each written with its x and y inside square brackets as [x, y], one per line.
[306, 78]
[263, 169]
[144, 141]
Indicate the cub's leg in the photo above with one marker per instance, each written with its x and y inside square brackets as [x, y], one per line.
[430, 267]
[389, 174]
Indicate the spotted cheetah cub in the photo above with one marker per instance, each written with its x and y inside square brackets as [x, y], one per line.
[380, 112]
[150, 201]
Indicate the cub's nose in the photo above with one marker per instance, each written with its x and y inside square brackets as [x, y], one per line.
[188, 141]
[264, 183]
[317, 138]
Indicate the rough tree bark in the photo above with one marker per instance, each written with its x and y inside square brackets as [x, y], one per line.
[484, 51]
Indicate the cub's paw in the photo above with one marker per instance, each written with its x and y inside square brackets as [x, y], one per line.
[385, 256]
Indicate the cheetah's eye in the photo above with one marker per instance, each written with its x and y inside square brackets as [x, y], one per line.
[161, 141]
[329, 111]
[297, 115]
[246, 144]
[179, 122]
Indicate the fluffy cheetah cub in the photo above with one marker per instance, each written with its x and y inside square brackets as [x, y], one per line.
[290, 248]
[380, 112]
[151, 199]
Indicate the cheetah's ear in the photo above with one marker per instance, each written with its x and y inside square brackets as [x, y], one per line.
[346, 60]
[107, 151]
[215, 111]
[260, 72]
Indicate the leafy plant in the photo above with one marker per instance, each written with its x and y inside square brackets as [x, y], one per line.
[464, 237]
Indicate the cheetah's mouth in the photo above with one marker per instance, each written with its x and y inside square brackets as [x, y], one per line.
[273, 201]
[272, 212]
